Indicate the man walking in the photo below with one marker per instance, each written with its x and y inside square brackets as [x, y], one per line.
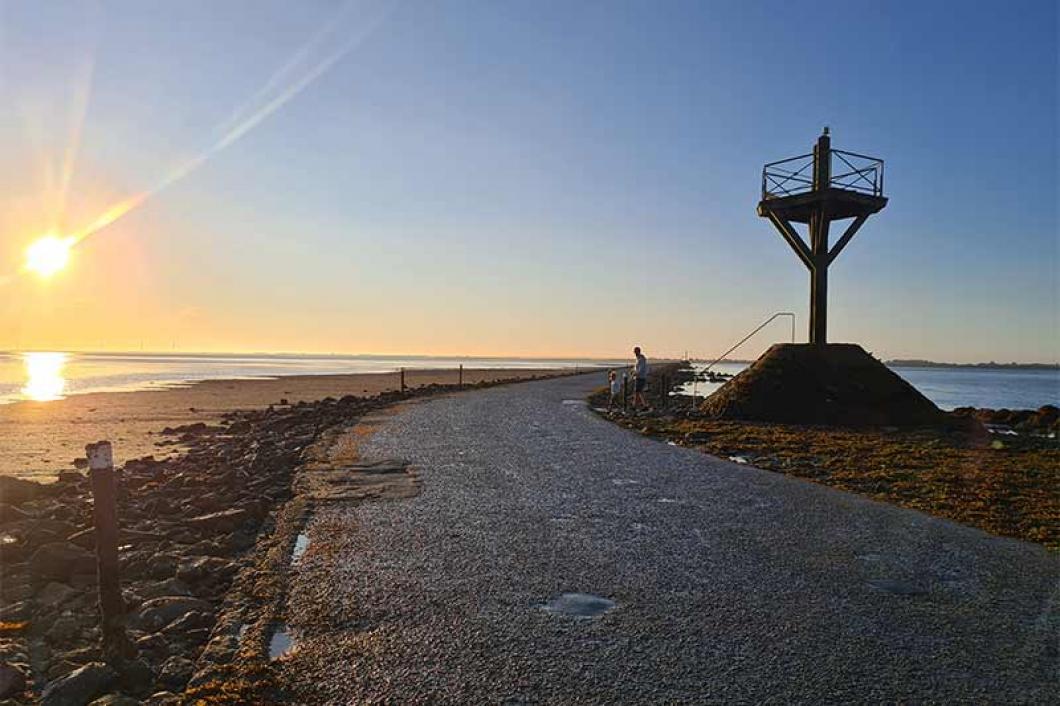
[640, 372]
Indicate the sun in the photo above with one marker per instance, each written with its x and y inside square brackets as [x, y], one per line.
[48, 254]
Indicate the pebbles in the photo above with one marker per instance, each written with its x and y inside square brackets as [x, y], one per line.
[186, 527]
[185, 524]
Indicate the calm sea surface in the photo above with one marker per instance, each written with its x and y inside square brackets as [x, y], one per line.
[960, 387]
[48, 376]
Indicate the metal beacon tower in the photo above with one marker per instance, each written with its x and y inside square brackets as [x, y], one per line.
[816, 189]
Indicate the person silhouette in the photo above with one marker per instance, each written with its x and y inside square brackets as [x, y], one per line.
[640, 373]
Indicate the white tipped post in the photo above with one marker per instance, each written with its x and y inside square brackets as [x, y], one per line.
[115, 642]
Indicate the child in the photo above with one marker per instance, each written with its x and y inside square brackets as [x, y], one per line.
[615, 383]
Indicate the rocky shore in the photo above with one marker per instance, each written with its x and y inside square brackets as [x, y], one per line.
[193, 529]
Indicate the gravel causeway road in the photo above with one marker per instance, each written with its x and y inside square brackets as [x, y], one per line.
[716, 582]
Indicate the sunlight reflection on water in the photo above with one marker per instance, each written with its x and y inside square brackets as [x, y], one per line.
[44, 376]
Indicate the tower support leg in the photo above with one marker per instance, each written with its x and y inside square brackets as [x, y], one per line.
[819, 304]
[819, 279]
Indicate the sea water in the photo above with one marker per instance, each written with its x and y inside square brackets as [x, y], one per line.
[949, 388]
[45, 376]
[53, 375]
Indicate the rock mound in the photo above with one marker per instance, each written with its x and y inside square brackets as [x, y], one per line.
[836, 384]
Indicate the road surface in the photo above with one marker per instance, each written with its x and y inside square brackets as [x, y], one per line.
[728, 583]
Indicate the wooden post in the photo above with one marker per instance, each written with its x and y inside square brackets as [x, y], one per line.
[460, 381]
[625, 392]
[115, 642]
[402, 379]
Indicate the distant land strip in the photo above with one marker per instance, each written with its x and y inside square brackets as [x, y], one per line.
[916, 363]
[902, 363]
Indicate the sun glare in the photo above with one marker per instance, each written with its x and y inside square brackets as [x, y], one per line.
[48, 254]
[44, 376]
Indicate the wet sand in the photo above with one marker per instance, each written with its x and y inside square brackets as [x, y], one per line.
[39, 439]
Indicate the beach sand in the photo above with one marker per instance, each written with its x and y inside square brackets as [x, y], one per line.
[39, 439]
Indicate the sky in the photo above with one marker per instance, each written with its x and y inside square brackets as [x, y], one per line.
[522, 178]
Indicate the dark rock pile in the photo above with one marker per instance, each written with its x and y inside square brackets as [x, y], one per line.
[186, 525]
[839, 384]
[1043, 421]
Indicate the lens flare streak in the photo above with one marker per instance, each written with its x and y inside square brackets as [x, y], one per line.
[272, 96]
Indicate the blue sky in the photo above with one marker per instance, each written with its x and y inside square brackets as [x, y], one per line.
[533, 178]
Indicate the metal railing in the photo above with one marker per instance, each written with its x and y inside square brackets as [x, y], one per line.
[849, 171]
[739, 343]
[748, 336]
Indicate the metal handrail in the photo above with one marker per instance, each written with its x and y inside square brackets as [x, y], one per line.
[759, 328]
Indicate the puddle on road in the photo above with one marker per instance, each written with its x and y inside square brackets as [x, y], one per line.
[742, 460]
[625, 481]
[579, 605]
[666, 500]
[282, 643]
[581, 403]
[301, 544]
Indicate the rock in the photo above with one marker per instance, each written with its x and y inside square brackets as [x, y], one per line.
[176, 671]
[86, 538]
[52, 526]
[193, 620]
[153, 645]
[60, 561]
[147, 464]
[115, 700]
[17, 491]
[60, 668]
[218, 522]
[169, 587]
[195, 638]
[84, 580]
[80, 686]
[208, 502]
[16, 612]
[63, 630]
[241, 540]
[162, 698]
[159, 506]
[207, 547]
[136, 678]
[55, 594]
[82, 655]
[70, 477]
[205, 568]
[196, 428]
[162, 566]
[159, 612]
[12, 551]
[220, 649]
[81, 463]
[12, 680]
[10, 513]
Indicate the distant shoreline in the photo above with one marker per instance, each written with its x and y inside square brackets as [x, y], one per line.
[914, 363]
[903, 363]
